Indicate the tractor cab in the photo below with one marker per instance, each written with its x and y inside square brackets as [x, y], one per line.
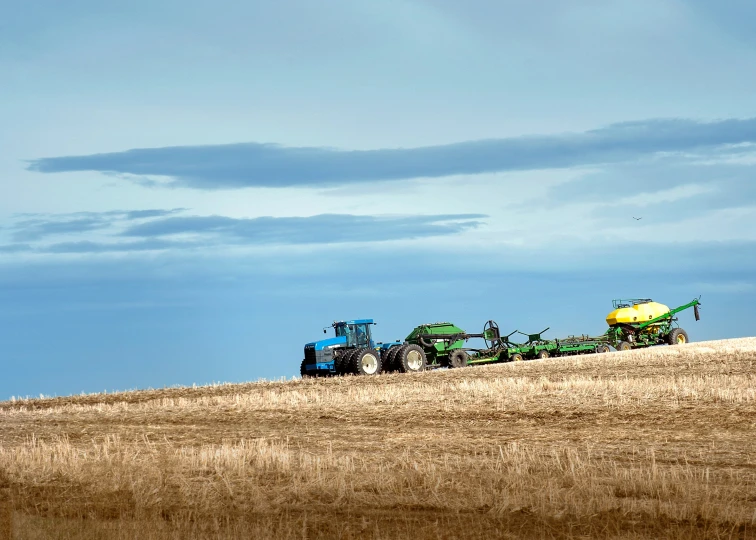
[357, 333]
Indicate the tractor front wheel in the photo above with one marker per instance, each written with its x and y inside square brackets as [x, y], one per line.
[677, 336]
[410, 359]
[458, 358]
[623, 346]
[366, 362]
[342, 364]
[303, 370]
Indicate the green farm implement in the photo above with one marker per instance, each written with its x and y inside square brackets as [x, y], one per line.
[633, 324]
[536, 346]
[443, 345]
[643, 323]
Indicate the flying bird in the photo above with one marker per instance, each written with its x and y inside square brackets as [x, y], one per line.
[637, 218]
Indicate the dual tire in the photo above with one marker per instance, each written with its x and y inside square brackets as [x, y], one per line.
[359, 362]
[408, 359]
[405, 359]
[388, 356]
[366, 362]
[342, 363]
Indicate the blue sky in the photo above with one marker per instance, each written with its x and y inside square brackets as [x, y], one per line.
[190, 191]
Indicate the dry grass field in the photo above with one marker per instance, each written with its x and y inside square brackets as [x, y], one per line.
[643, 444]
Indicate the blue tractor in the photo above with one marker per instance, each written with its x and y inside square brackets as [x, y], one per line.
[351, 350]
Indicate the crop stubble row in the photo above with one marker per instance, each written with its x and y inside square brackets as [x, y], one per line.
[622, 444]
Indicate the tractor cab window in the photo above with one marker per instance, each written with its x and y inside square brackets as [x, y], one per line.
[343, 330]
[362, 334]
[358, 335]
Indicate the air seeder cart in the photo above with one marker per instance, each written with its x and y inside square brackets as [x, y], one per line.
[640, 323]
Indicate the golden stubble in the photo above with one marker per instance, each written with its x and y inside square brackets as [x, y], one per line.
[636, 444]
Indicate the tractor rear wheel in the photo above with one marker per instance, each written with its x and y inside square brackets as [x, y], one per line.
[366, 362]
[516, 357]
[384, 360]
[543, 353]
[623, 346]
[458, 358]
[410, 359]
[389, 362]
[677, 336]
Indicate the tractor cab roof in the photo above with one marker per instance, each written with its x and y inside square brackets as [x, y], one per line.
[355, 321]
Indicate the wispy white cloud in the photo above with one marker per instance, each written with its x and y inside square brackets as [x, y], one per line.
[39, 226]
[156, 232]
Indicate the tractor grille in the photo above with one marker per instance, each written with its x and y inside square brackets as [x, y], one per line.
[310, 355]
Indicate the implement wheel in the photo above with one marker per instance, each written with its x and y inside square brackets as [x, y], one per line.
[516, 357]
[601, 349]
[623, 346]
[543, 353]
[678, 336]
[410, 359]
[366, 362]
[458, 359]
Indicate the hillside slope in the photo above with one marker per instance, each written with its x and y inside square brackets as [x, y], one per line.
[625, 445]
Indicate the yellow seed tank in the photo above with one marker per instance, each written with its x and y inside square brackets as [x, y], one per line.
[638, 313]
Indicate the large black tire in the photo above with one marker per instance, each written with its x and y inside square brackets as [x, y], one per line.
[366, 362]
[410, 359]
[677, 336]
[343, 363]
[394, 358]
[349, 362]
[337, 363]
[458, 358]
[384, 360]
[543, 353]
[302, 371]
[389, 362]
[623, 346]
